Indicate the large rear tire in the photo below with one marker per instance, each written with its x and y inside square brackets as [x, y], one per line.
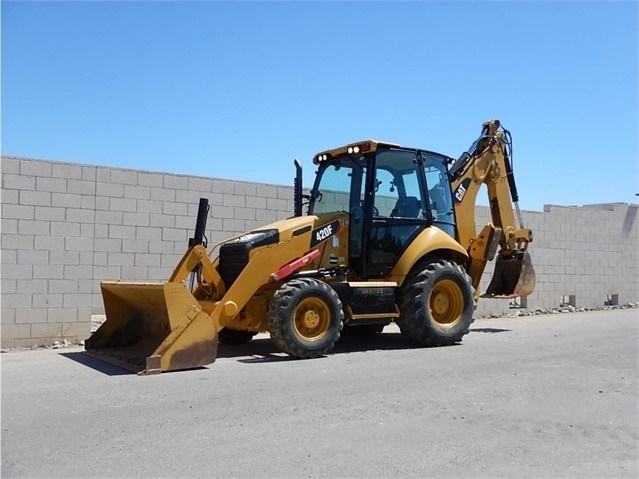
[305, 318]
[437, 304]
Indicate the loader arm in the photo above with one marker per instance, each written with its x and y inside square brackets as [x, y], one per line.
[489, 163]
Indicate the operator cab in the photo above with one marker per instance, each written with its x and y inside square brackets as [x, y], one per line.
[391, 193]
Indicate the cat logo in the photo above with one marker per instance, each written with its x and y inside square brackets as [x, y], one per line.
[461, 191]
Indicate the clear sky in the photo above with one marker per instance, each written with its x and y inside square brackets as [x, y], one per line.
[239, 89]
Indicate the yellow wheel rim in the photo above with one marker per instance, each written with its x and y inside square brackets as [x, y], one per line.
[312, 319]
[446, 303]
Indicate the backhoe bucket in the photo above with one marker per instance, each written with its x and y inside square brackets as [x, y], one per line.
[153, 327]
[513, 277]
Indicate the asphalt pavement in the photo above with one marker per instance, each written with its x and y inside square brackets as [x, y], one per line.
[537, 396]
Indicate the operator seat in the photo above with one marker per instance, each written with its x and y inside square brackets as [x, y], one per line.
[406, 207]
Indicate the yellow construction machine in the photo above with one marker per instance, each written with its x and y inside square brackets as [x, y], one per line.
[389, 235]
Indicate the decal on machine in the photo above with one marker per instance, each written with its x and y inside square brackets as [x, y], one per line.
[460, 191]
[324, 232]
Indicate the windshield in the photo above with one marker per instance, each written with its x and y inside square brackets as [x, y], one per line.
[339, 186]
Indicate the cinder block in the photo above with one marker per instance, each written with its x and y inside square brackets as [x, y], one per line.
[67, 257]
[89, 173]
[285, 193]
[108, 244]
[136, 219]
[158, 273]
[244, 213]
[80, 329]
[9, 256]
[77, 300]
[234, 200]
[192, 198]
[17, 271]
[150, 179]
[33, 257]
[48, 271]
[31, 315]
[202, 185]
[32, 227]
[173, 234]
[176, 182]
[176, 209]
[121, 259]
[18, 182]
[57, 185]
[112, 190]
[123, 232]
[65, 170]
[9, 286]
[59, 228]
[254, 202]
[63, 285]
[162, 194]
[66, 200]
[137, 192]
[78, 215]
[134, 273]
[88, 202]
[58, 315]
[222, 186]
[135, 246]
[147, 259]
[266, 191]
[169, 261]
[48, 213]
[104, 273]
[36, 198]
[10, 197]
[17, 212]
[147, 233]
[8, 315]
[149, 206]
[109, 217]
[224, 212]
[15, 331]
[275, 204]
[9, 226]
[245, 189]
[46, 330]
[78, 243]
[18, 300]
[234, 225]
[35, 168]
[99, 258]
[123, 204]
[47, 300]
[162, 247]
[10, 165]
[125, 177]
[162, 220]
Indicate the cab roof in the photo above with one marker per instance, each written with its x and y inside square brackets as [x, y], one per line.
[365, 146]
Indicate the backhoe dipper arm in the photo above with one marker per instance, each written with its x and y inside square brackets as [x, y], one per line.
[489, 163]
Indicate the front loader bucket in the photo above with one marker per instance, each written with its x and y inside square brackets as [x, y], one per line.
[153, 327]
[513, 277]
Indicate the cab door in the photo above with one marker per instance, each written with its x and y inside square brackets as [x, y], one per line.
[398, 212]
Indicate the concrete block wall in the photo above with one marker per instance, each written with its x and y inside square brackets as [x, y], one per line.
[66, 227]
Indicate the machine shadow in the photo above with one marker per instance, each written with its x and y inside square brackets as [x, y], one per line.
[264, 350]
[105, 368]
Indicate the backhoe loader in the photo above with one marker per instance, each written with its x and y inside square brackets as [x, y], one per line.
[389, 235]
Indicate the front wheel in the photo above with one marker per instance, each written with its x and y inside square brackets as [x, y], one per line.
[305, 318]
[437, 305]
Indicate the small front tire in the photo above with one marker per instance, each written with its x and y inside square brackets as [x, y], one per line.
[305, 318]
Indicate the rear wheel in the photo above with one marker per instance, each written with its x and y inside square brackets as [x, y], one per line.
[234, 336]
[305, 318]
[437, 304]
